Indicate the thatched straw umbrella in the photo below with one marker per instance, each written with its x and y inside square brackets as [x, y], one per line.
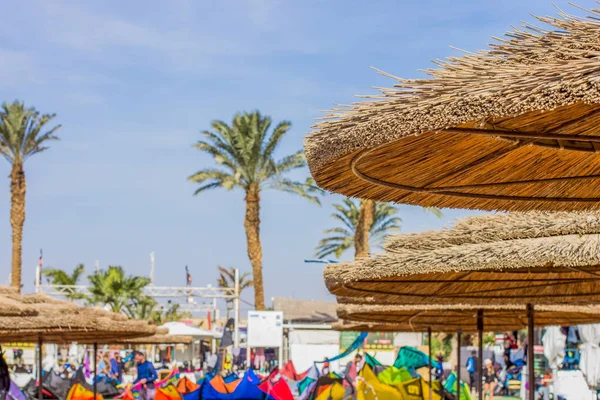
[60, 321]
[465, 317]
[12, 308]
[157, 339]
[458, 317]
[514, 127]
[515, 259]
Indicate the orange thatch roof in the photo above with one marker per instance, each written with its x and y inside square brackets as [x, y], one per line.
[514, 127]
[515, 258]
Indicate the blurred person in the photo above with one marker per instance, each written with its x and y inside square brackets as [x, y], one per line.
[472, 370]
[489, 378]
[146, 376]
[100, 365]
[509, 343]
[350, 375]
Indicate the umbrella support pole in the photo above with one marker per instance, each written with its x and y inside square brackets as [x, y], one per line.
[95, 370]
[530, 361]
[429, 338]
[458, 342]
[39, 368]
[479, 367]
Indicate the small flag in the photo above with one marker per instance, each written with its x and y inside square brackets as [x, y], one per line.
[41, 264]
[188, 277]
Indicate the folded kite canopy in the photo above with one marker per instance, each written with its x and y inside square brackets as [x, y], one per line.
[513, 259]
[464, 316]
[515, 127]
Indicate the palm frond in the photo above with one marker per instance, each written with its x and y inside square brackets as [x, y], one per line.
[298, 188]
[246, 149]
[21, 132]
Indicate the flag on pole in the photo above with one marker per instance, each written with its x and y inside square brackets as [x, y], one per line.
[188, 277]
[41, 264]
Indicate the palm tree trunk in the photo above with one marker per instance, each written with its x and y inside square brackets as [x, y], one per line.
[363, 228]
[17, 220]
[252, 225]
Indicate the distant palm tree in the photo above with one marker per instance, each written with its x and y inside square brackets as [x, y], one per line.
[120, 292]
[362, 231]
[364, 223]
[22, 134]
[227, 278]
[244, 154]
[173, 313]
[62, 278]
[143, 308]
[341, 238]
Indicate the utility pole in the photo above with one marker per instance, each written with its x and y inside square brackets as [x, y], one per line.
[236, 309]
[152, 268]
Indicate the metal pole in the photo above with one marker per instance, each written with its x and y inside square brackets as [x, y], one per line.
[429, 338]
[95, 370]
[530, 339]
[40, 394]
[236, 310]
[458, 342]
[248, 355]
[479, 372]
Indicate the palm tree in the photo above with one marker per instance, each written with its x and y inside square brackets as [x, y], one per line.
[364, 222]
[174, 314]
[227, 279]
[120, 292]
[244, 154]
[342, 238]
[62, 278]
[143, 308]
[22, 134]
[363, 225]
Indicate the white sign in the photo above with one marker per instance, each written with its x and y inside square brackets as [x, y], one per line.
[265, 328]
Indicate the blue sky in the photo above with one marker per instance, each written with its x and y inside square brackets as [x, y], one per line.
[133, 83]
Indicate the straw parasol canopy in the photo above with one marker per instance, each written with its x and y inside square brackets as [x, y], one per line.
[464, 316]
[514, 127]
[157, 339]
[10, 307]
[519, 258]
[61, 321]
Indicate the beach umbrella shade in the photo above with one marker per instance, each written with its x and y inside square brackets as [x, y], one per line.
[62, 322]
[516, 259]
[13, 308]
[445, 318]
[514, 127]
[156, 339]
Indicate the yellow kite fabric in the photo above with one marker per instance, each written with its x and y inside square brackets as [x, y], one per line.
[332, 392]
[369, 387]
[78, 392]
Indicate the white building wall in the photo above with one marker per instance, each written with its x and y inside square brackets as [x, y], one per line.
[307, 346]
